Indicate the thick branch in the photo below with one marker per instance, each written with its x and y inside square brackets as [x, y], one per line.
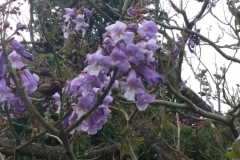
[54, 152]
[36, 150]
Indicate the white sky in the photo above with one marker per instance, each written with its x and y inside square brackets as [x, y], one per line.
[209, 56]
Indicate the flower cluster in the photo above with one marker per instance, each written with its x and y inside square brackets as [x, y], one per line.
[133, 56]
[181, 40]
[27, 80]
[75, 21]
[193, 41]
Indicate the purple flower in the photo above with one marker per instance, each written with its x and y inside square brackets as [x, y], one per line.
[118, 32]
[106, 41]
[18, 105]
[151, 76]
[133, 86]
[67, 29]
[87, 11]
[94, 122]
[12, 116]
[5, 93]
[147, 49]
[29, 81]
[133, 54]
[132, 27]
[15, 60]
[143, 100]
[180, 39]
[131, 11]
[105, 81]
[69, 14]
[83, 84]
[66, 123]
[2, 65]
[238, 139]
[44, 105]
[85, 102]
[80, 24]
[175, 49]
[97, 62]
[46, 64]
[57, 99]
[148, 29]
[20, 50]
[192, 43]
[119, 59]
[21, 26]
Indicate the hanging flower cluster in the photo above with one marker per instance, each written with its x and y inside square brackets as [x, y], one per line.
[75, 21]
[27, 80]
[132, 53]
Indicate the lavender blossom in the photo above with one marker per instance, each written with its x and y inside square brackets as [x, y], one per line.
[18, 105]
[133, 54]
[143, 100]
[118, 32]
[132, 87]
[97, 62]
[175, 49]
[151, 76]
[15, 60]
[69, 14]
[20, 50]
[80, 24]
[29, 81]
[131, 11]
[2, 65]
[5, 93]
[67, 29]
[21, 26]
[132, 27]
[148, 29]
[238, 139]
[119, 59]
[87, 11]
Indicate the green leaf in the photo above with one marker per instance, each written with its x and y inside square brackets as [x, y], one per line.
[139, 139]
[221, 130]
[236, 148]
[231, 155]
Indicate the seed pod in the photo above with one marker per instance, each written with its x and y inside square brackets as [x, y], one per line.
[46, 89]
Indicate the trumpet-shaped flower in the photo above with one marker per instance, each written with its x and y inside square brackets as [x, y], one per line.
[20, 50]
[143, 100]
[132, 87]
[15, 60]
[29, 81]
[97, 62]
[148, 29]
[118, 32]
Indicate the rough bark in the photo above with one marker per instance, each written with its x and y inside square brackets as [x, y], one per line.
[52, 152]
[36, 150]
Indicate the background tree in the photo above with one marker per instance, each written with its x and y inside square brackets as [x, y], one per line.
[104, 80]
